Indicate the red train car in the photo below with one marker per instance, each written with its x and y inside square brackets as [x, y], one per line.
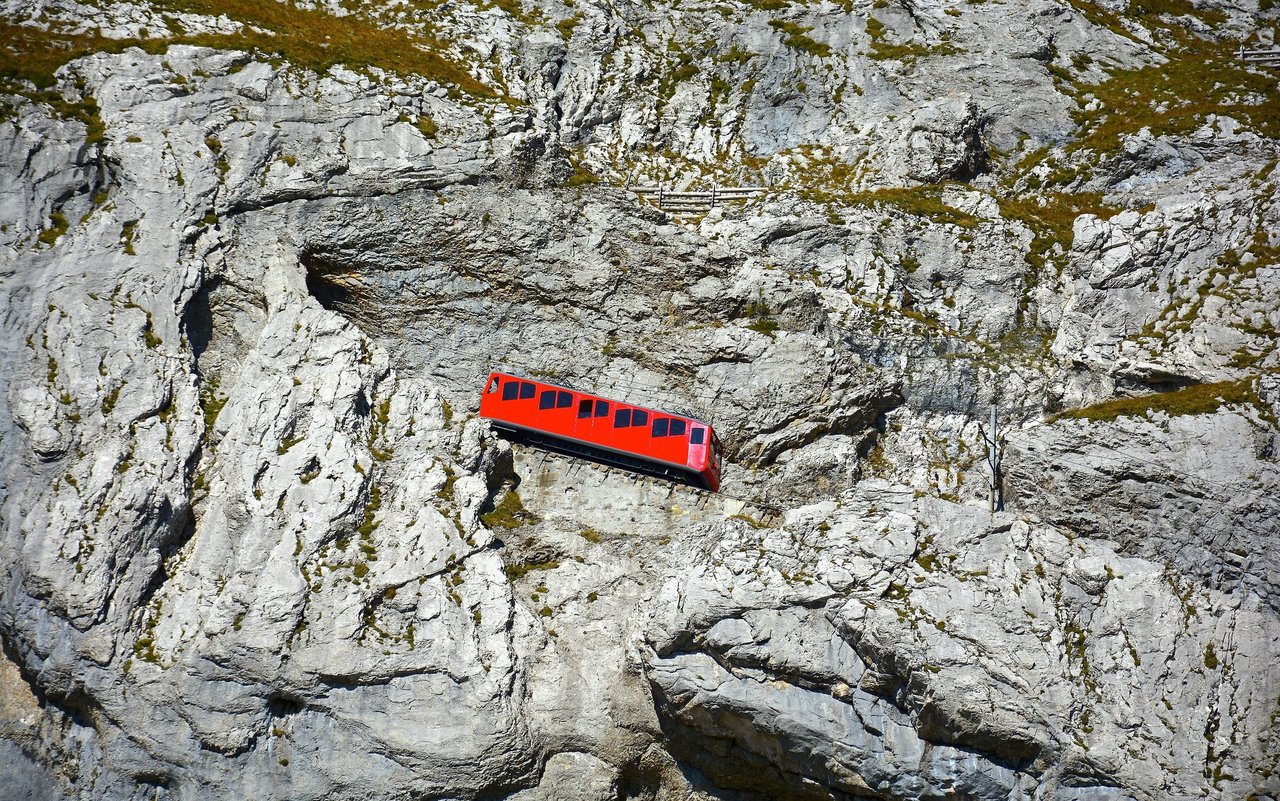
[635, 438]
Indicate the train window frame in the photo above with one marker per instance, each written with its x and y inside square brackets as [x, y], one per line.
[698, 436]
[510, 390]
[564, 400]
[639, 417]
[584, 408]
[546, 399]
[622, 418]
[527, 390]
[602, 408]
[678, 428]
[660, 425]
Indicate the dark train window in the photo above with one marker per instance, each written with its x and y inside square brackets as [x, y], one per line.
[639, 418]
[602, 409]
[697, 436]
[677, 428]
[622, 418]
[564, 400]
[660, 427]
[584, 408]
[526, 390]
[547, 400]
[510, 390]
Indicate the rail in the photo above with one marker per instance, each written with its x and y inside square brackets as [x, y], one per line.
[730, 505]
[679, 202]
[1268, 57]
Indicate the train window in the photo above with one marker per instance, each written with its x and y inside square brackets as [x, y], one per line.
[564, 400]
[622, 418]
[639, 418]
[510, 390]
[584, 408]
[547, 400]
[493, 386]
[660, 427]
[602, 409]
[697, 436]
[526, 390]
[677, 428]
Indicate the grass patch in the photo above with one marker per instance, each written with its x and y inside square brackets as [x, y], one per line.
[566, 26]
[524, 568]
[884, 50]
[128, 233]
[210, 403]
[762, 321]
[796, 36]
[581, 176]
[509, 514]
[310, 38]
[1198, 399]
[1201, 78]
[1051, 216]
[59, 227]
[919, 201]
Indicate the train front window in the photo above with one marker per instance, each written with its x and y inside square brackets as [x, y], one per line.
[510, 390]
[493, 386]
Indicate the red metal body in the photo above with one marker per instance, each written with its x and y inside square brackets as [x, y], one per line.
[636, 438]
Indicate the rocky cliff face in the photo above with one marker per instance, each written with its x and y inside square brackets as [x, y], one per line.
[258, 258]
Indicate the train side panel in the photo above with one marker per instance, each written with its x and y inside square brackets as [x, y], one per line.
[647, 434]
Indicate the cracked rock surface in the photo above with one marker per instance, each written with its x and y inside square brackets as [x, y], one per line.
[256, 542]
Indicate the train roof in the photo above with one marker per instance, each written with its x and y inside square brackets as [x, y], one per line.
[595, 396]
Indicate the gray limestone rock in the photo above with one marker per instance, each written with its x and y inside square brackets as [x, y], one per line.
[257, 543]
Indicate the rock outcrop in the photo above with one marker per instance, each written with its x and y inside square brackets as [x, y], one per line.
[257, 543]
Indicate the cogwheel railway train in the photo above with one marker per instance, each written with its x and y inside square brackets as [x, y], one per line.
[647, 441]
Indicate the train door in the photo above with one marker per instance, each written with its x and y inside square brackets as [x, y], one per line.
[631, 430]
[555, 412]
[670, 439]
[517, 402]
[592, 421]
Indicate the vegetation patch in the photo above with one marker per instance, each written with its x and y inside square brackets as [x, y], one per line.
[509, 514]
[524, 568]
[883, 50]
[1198, 399]
[311, 38]
[1200, 78]
[921, 201]
[1051, 217]
[58, 227]
[796, 36]
[210, 403]
[762, 319]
